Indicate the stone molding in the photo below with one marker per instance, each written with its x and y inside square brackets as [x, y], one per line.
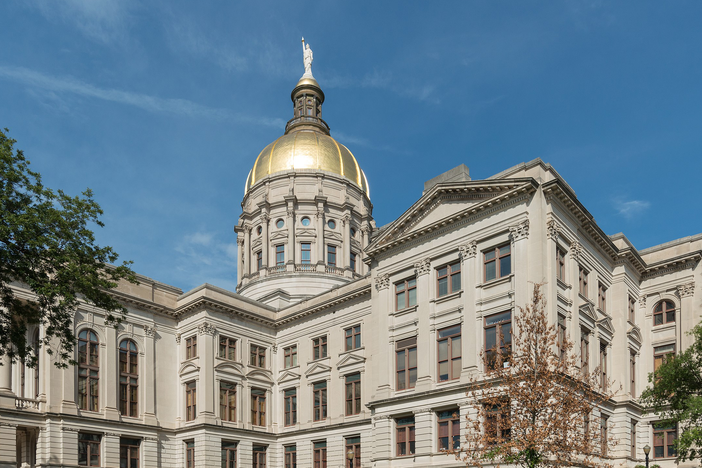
[177, 338]
[382, 282]
[240, 241]
[576, 250]
[422, 267]
[206, 328]
[519, 231]
[552, 229]
[422, 410]
[149, 331]
[642, 301]
[469, 250]
[686, 290]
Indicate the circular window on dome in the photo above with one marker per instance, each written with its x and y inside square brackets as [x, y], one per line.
[305, 221]
[353, 232]
[259, 230]
[331, 224]
[280, 223]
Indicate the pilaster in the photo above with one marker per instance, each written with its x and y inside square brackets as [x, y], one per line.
[110, 450]
[469, 351]
[424, 367]
[205, 390]
[686, 316]
[108, 362]
[149, 380]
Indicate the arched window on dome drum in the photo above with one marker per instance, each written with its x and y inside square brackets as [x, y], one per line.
[664, 312]
[128, 378]
[88, 370]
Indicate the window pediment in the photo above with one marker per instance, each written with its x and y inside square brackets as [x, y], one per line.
[349, 360]
[230, 367]
[317, 368]
[260, 375]
[634, 335]
[588, 314]
[288, 376]
[187, 367]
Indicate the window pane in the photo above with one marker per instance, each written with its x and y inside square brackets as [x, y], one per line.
[413, 357]
[443, 350]
[456, 368]
[456, 346]
[400, 360]
[490, 272]
[505, 265]
[490, 255]
[456, 282]
[412, 376]
[443, 371]
[490, 338]
[443, 286]
[401, 300]
[412, 297]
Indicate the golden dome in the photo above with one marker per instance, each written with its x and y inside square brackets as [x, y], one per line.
[307, 149]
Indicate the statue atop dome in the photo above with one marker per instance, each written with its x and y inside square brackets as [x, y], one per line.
[307, 58]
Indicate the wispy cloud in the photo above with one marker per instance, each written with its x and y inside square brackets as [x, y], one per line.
[103, 20]
[351, 140]
[384, 80]
[631, 208]
[68, 85]
[204, 258]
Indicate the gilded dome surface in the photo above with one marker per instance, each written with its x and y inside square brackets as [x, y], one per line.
[307, 149]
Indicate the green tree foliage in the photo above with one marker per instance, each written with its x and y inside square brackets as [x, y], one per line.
[47, 247]
[675, 395]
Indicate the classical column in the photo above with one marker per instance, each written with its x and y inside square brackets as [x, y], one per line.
[519, 235]
[149, 379]
[248, 268]
[205, 385]
[8, 444]
[264, 246]
[365, 240]
[7, 397]
[110, 445]
[346, 249]
[320, 237]
[108, 361]
[241, 264]
[424, 431]
[469, 352]
[290, 223]
[685, 316]
[424, 364]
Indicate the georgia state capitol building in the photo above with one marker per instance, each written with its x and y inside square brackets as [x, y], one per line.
[346, 344]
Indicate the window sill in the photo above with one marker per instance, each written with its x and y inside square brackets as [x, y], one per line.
[664, 326]
[563, 284]
[447, 297]
[404, 311]
[351, 351]
[444, 382]
[495, 282]
[325, 358]
[297, 366]
[585, 299]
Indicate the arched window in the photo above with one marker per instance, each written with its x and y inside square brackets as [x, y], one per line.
[88, 370]
[664, 312]
[128, 379]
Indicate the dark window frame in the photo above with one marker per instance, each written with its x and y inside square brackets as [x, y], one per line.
[403, 352]
[290, 456]
[448, 279]
[331, 255]
[319, 401]
[583, 281]
[662, 433]
[451, 420]
[227, 348]
[319, 454]
[354, 444]
[89, 446]
[191, 400]
[402, 293]
[280, 255]
[451, 357]
[319, 347]
[191, 347]
[498, 261]
[352, 337]
[258, 407]
[290, 356]
[560, 264]
[506, 347]
[290, 407]
[128, 378]
[189, 453]
[229, 449]
[602, 297]
[663, 312]
[227, 401]
[257, 356]
[305, 247]
[405, 435]
[88, 370]
[352, 394]
[127, 449]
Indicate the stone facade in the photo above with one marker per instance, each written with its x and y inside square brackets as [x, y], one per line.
[303, 359]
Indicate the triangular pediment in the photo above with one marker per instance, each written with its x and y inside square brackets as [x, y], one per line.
[287, 376]
[306, 232]
[279, 235]
[188, 366]
[606, 325]
[587, 310]
[349, 360]
[634, 335]
[447, 204]
[332, 235]
[317, 368]
[261, 375]
[231, 367]
[256, 242]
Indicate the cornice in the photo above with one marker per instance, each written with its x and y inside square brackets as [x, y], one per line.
[351, 295]
[400, 233]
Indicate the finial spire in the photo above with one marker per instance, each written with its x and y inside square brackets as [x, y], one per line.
[307, 58]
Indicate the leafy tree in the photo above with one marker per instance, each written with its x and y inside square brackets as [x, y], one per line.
[675, 395]
[534, 406]
[46, 246]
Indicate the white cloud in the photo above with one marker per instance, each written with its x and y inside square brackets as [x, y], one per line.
[184, 107]
[631, 208]
[386, 81]
[103, 20]
[204, 258]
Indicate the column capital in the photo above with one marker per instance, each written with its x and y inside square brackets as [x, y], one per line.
[206, 328]
[468, 250]
[686, 290]
[149, 331]
[552, 229]
[382, 282]
[423, 267]
[519, 231]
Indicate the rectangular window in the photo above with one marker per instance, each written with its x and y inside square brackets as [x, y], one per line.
[319, 347]
[89, 449]
[190, 401]
[190, 454]
[129, 453]
[228, 454]
[259, 260]
[290, 406]
[449, 353]
[306, 253]
[603, 365]
[497, 424]
[561, 337]
[404, 436]
[227, 348]
[582, 281]
[448, 279]
[290, 456]
[632, 310]
[498, 339]
[290, 356]
[319, 400]
[406, 363]
[449, 429]
[632, 438]
[604, 438]
[279, 255]
[227, 401]
[331, 255]
[353, 394]
[406, 294]
[191, 347]
[560, 264]
[259, 456]
[257, 356]
[320, 454]
[602, 297]
[664, 436]
[661, 354]
[353, 444]
[497, 262]
[632, 373]
[584, 351]
[258, 407]
[352, 262]
[353, 337]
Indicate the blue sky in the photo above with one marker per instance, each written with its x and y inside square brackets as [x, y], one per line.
[161, 107]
